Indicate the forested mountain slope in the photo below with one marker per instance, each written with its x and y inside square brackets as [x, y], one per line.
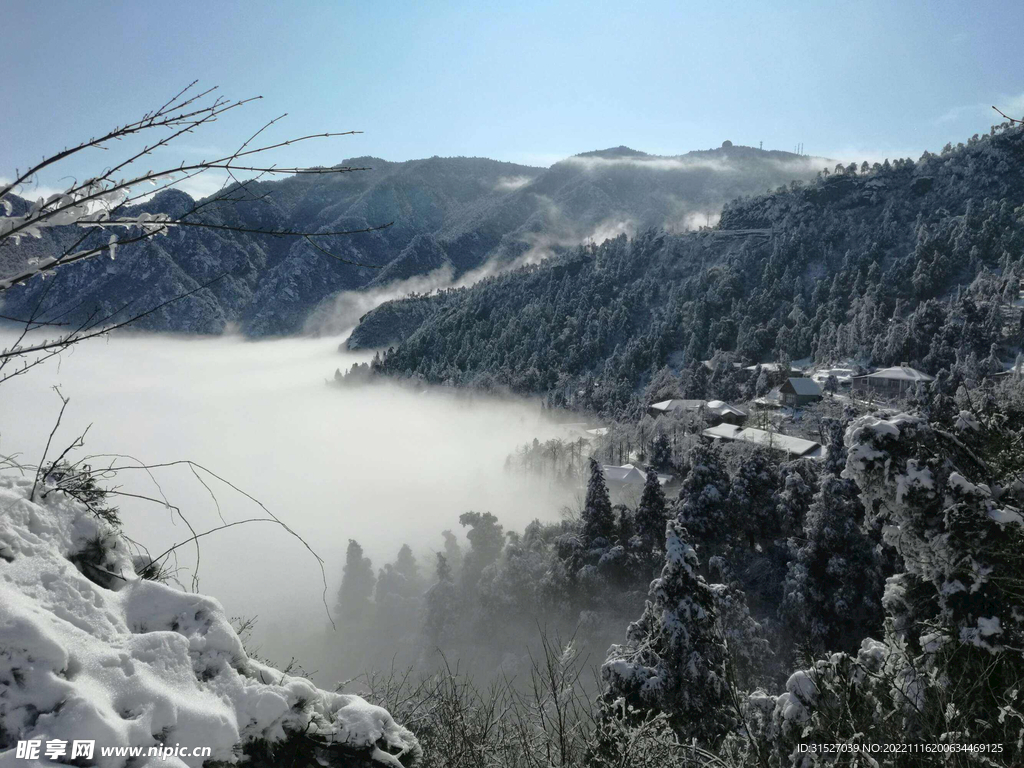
[449, 214]
[899, 262]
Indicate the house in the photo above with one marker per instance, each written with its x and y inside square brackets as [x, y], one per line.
[714, 411]
[675, 406]
[629, 475]
[794, 447]
[710, 365]
[844, 376]
[796, 392]
[891, 383]
[774, 368]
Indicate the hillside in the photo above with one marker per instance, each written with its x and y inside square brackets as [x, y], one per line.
[909, 261]
[450, 214]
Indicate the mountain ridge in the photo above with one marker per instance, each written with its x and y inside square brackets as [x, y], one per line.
[453, 213]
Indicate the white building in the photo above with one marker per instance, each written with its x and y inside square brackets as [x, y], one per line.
[713, 410]
[628, 474]
[896, 382]
[795, 447]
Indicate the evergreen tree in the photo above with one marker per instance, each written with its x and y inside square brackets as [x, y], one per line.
[357, 584]
[749, 649]
[752, 497]
[661, 453]
[950, 662]
[833, 588]
[486, 539]
[704, 493]
[598, 518]
[406, 565]
[452, 553]
[798, 485]
[441, 607]
[397, 602]
[674, 658]
[652, 513]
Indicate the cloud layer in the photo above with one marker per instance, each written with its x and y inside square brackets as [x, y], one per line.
[381, 464]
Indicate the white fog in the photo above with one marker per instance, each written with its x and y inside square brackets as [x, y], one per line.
[382, 464]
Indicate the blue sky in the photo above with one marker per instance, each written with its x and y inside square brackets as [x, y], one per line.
[526, 81]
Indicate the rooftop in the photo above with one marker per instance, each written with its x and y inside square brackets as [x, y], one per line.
[629, 474]
[795, 446]
[771, 367]
[717, 407]
[803, 386]
[898, 373]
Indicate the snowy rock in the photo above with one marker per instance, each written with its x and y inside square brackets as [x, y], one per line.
[143, 664]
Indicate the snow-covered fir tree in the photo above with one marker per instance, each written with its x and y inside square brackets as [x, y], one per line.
[798, 481]
[661, 452]
[674, 658]
[702, 504]
[598, 518]
[752, 501]
[833, 588]
[652, 513]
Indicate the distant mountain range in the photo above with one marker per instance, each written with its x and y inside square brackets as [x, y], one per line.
[451, 216]
[910, 261]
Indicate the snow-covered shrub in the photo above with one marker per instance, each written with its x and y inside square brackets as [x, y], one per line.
[963, 550]
[127, 661]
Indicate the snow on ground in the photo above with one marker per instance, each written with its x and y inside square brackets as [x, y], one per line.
[139, 663]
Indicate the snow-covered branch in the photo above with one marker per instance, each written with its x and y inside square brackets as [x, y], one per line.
[104, 201]
[104, 208]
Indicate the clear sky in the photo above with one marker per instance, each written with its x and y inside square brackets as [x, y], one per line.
[524, 81]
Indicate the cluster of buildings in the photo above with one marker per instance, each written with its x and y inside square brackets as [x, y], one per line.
[893, 383]
[712, 410]
[727, 422]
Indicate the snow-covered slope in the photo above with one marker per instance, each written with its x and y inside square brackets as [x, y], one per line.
[139, 663]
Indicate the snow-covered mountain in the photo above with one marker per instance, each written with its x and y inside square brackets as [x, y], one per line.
[451, 214]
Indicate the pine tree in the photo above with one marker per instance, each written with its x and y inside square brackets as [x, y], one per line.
[950, 661]
[486, 540]
[749, 649]
[833, 587]
[661, 452]
[598, 516]
[674, 658]
[752, 497]
[703, 494]
[441, 607]
[652, 513]
[357, 584]
[452, 553]
[406, 565]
